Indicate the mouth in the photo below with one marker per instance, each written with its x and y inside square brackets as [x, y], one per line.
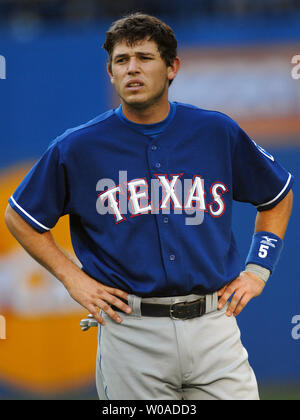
[134, 85]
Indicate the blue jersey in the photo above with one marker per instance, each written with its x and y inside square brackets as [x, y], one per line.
[150, 212]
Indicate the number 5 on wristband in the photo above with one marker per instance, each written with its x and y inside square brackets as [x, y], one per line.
[265, 250]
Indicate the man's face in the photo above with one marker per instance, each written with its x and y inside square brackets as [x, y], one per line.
[139, 74]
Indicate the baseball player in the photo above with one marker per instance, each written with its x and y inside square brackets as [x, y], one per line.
[149, 189]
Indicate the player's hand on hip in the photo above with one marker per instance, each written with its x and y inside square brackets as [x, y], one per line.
[243, 288]
[95, 296]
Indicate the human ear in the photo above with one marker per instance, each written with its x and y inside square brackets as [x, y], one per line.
[108, 68]
[174, 68]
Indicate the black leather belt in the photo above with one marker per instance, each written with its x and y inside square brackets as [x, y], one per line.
[179, 310]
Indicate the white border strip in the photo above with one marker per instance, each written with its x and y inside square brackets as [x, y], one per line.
[28, 215]
[278, 195]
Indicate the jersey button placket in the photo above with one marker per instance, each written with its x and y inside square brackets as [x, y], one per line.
[156, 164]
[157, 161]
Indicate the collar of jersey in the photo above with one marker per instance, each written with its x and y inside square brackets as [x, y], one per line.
[152, 130]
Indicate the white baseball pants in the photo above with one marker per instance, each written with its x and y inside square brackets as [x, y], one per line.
[159, 358]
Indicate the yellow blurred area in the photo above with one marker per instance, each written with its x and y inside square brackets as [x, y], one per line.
[47, 354]
[44, 352]
[9, 180]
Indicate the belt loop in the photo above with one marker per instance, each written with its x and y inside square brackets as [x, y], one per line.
[211, 302]
[135, 303]
[215, 301]
[207, 304]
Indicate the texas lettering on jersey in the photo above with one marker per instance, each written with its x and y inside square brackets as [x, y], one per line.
[190, 196]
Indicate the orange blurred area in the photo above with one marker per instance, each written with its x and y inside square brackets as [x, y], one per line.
[9, 180]
[46, 354]
[45, 350]
[253, 84]
[273, 131]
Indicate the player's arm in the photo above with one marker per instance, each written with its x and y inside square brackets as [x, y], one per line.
[249, 285]
[85, 290]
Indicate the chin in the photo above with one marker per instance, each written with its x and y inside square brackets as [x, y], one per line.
[138, 104]
[142, 100]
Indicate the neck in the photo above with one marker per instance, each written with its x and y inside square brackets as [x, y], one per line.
[149, 115]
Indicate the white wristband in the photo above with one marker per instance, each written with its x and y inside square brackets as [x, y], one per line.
[260, 271]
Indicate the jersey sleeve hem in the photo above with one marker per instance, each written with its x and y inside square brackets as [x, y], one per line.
[280, 196]
[27, 217]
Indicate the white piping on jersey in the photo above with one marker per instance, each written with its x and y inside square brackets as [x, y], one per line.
[28, 215]
[278, 195]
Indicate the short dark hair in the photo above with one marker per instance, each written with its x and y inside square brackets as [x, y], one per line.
[137, 27]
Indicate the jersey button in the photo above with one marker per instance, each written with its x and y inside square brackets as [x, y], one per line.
[166, 220]
[153, 147]
[172, 257]
[157, 165]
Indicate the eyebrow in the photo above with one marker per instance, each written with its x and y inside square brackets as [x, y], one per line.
[137, 53]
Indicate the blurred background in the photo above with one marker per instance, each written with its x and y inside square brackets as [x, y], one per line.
[238, 57]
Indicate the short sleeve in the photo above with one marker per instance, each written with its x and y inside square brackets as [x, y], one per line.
[257, 177]
[42, 197]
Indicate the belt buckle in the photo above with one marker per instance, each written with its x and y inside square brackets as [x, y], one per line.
[176, 304]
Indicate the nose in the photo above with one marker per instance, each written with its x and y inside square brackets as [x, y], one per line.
[132, 66]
